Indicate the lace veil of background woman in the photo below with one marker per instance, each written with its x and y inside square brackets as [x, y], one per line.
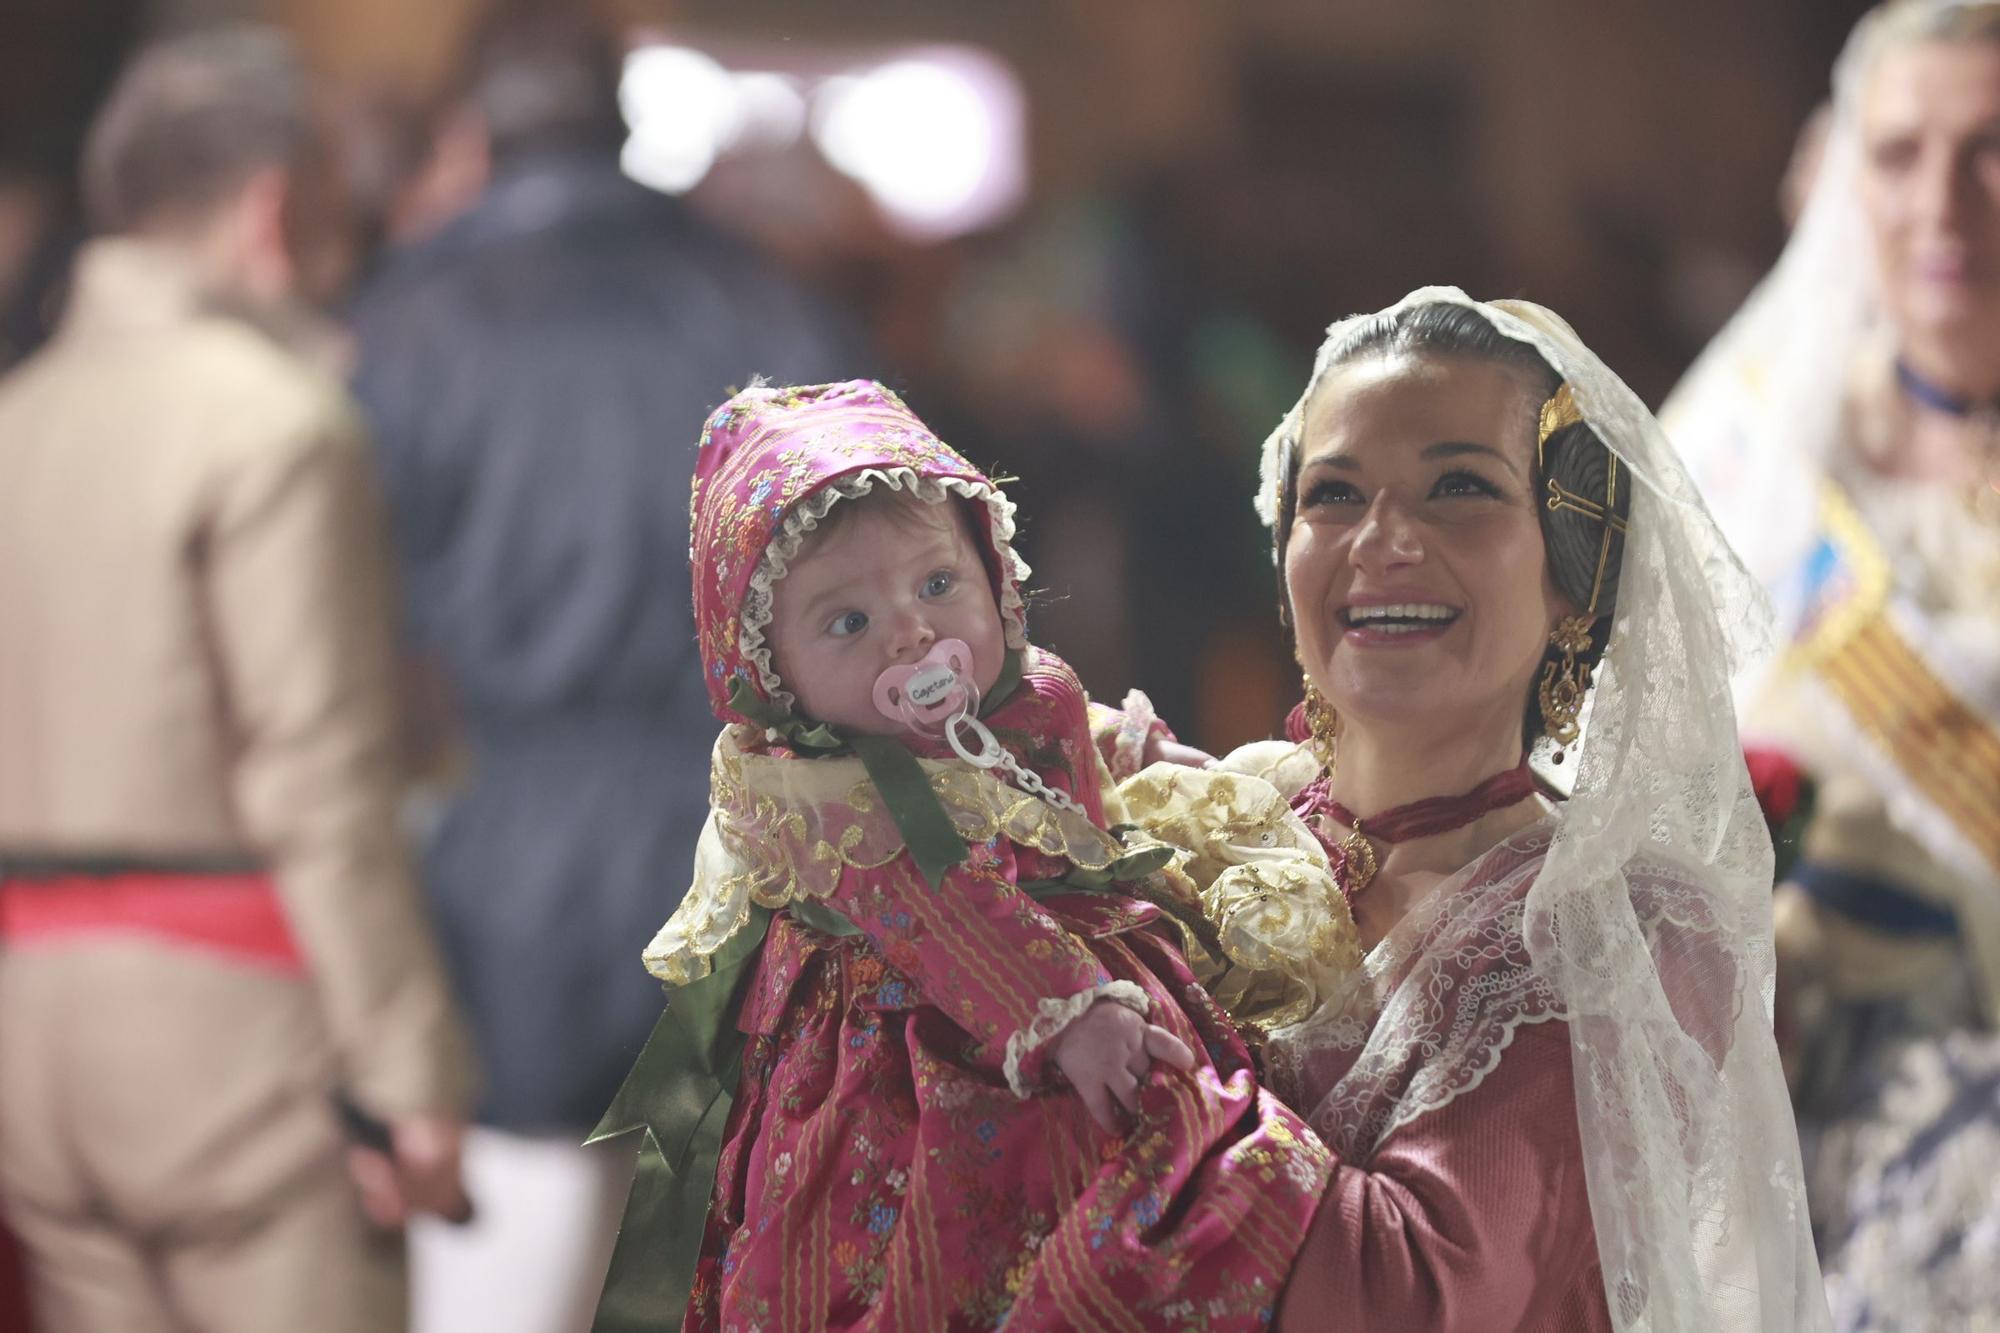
[1813, 424]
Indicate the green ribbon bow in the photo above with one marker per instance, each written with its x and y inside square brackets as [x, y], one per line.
[679, 1094]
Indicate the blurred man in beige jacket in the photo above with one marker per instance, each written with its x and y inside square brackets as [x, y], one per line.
[209, 939]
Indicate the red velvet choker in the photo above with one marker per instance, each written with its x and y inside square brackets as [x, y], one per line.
[1354, 861]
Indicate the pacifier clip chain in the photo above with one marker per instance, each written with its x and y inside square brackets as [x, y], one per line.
[991, 754]
[938, 691]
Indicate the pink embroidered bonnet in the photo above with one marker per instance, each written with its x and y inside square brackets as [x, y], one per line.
[773, 461]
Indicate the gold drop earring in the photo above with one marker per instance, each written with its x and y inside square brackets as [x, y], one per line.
[1356, 864]
[1324, 724]
[1564, 682]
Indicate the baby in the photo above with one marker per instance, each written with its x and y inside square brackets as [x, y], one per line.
[948, 1067]
[886, 581]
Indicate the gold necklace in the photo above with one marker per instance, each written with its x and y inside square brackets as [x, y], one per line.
[1357, 863]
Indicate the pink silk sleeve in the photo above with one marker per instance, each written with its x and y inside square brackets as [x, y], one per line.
[979, 949]
[1472, 1217]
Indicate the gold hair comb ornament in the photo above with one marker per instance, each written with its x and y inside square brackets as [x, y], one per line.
[1565, 683]
[1558, 412]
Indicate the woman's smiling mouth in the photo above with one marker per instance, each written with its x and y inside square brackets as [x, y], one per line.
[1397, 619]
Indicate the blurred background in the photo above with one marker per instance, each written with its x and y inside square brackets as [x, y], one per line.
[1095, 241]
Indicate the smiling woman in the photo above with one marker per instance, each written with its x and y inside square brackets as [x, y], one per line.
[1444, 543]
[1551, 1086]
[1415, 551]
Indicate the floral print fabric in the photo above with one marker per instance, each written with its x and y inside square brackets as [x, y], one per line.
[877, 1170]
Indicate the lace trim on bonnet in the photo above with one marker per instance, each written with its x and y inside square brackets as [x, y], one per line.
[806, 515]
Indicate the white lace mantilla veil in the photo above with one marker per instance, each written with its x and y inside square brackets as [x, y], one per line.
[1645, 923]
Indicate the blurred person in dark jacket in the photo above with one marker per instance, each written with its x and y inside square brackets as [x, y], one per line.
[534, 368]
[214, 963]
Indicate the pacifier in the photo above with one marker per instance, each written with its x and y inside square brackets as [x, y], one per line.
[927, 694]
[937, 694]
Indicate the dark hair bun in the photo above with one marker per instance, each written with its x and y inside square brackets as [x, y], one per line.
[1579, 476]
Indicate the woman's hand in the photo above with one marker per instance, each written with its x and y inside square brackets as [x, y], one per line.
[1107, 1053]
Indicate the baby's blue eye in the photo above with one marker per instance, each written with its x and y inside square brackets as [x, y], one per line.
[938, 584]
[848, 622]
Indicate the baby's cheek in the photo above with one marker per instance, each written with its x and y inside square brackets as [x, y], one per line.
[989, 674]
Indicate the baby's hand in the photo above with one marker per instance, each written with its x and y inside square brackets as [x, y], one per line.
[1108, 1051]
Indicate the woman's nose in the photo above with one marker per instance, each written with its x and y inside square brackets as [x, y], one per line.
[1386, 537]
[1937, 188]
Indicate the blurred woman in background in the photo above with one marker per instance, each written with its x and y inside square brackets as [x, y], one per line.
[1846, 429]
